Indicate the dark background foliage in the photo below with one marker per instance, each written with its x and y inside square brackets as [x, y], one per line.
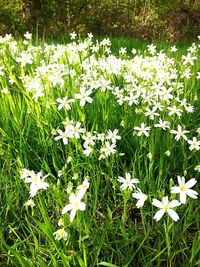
[172, 20]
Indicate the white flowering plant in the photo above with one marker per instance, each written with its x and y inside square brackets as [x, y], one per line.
[99, 153]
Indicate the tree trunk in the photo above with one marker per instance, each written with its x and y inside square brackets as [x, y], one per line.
[37, 5]
[26, 13]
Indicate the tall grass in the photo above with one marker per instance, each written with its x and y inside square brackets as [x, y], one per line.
[111, 231]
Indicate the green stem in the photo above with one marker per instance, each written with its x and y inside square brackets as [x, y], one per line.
[167, 240]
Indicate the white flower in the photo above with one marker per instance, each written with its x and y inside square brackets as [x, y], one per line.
[108, 149]
[132, 98]
[64, 103]
[122, 50]
[141, 198]
[166, 207]
[194, 144]
[143, 129]
[73, 35]
[174, 110]
[35, 180]
[95, 48]
[101, 137]
[186, 74]
[75, 204]
[56, 78]
[127, 182]
[166, 93]
[37, 183]
[89, 139]
[162, 124]
[188, 59]
[151, 113]
[84, 96]
[75, 131]
[88, 151]
[62, 135]
[173, 48]
[113, 135]
[105, 42]
[184, 189]
[179, 133]
[90, 35]
[189, 108]
[133, 51]
[151, 49]
[60, 234]
[28, 35]
[25, 59]
[192, 49]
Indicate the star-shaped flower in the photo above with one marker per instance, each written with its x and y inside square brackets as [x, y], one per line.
[184, 189]
[166, 207]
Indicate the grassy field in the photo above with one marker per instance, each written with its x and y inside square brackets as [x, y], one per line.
[99, 153]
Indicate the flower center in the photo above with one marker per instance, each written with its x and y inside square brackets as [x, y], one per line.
[85, 187]
[166, 207]
[76, 204]
[83, 95]
[183, 188]
[128, 183]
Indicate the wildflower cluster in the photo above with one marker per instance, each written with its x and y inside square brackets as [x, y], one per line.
[35, 180]
[184, 190]
[73, 130]
[166, 206]
[91, 106]
[151, 84]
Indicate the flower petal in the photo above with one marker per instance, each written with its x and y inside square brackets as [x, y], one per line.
[67, 208]
[159, 214]
[175, 189]
[33, 190]
[72, 214]
[136, 195]
[182, 197]
[72, 198]
[191, 193]
[81, 206]
[191, 183]
[173, 215]
[121, 179]
[157, 203]
[174, 203]
[140, 203]
[181, 180]
[128, 176]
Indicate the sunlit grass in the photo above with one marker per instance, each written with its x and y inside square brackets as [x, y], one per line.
[80, 132]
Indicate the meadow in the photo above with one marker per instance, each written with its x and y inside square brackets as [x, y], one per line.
[99, 153]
